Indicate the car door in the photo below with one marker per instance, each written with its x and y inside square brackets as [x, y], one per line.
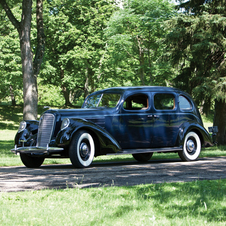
[165, 120]
[134, 122]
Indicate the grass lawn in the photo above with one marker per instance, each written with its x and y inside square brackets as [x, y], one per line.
[191, 203]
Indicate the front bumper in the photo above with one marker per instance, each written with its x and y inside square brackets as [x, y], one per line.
[33, 150]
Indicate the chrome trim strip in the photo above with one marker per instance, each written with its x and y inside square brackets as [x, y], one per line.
[146, 150]
[35, 149]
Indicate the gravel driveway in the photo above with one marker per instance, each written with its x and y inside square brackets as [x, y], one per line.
[20, 178]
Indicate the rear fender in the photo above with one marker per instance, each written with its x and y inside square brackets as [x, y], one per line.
[106, 140]
[201, 132]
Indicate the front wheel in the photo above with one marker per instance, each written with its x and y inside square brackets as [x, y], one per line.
[143, 157]
[191, 147]
[31, 162]
[82, 149]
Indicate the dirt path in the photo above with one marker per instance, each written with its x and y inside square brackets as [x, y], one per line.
[107, 174]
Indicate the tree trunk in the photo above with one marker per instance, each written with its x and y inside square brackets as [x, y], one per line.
[40, 38]
[141, 60]
[29, 70]
[149, 59]
[30, 90]
[90, 74]
[66, 94]
[86, 85]
[220, 120]
[12, 95]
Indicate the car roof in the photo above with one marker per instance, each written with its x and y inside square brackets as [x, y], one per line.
[139, 88]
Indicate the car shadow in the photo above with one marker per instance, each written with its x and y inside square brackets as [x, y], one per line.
[110, 164]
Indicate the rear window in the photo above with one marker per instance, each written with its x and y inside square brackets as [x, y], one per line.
[184, 104]
[164, 101]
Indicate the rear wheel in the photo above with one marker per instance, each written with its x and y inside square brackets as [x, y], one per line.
[31, 162]
[143, 157]
[82, 149]
[191, 147]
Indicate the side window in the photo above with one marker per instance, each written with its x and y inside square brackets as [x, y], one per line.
[109, 100]
[136, 102]
[164, 101]
[184, 104]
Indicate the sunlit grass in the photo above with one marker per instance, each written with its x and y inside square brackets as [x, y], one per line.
[193, 203]
[7, 135]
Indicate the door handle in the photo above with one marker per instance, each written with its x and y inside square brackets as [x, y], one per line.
[153, 116]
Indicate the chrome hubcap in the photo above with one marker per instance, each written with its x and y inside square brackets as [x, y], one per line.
[84, 151]
[190, 145]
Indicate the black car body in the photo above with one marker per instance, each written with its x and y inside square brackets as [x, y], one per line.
[120, 120]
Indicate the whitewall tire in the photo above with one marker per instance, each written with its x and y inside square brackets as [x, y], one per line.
[82, 149]
[191, 147]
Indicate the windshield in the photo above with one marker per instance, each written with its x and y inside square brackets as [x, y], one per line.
[108, 100]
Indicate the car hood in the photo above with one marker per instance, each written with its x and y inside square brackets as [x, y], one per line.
[80, 113]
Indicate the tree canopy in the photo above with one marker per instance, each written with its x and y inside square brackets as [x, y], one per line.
[75, 45]
[94, 44]
[10, 60]
[135, 41]
[197, 46]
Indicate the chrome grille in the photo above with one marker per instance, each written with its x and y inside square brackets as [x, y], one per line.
[45, 129]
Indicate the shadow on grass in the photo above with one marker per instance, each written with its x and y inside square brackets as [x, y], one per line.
[6, 146]
[10, 116]
[196, 199]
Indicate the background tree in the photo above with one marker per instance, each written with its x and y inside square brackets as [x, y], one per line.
[10, 63]
[75, 45]
[135, 35]
[30, 68]
[197, 46]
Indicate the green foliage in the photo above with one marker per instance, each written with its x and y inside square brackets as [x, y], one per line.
[49, 95]
[135, 35]
[94, 44]
[197, 46]
[75, 45]
[10, 59]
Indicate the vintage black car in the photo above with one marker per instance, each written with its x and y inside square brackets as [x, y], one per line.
[120, 120]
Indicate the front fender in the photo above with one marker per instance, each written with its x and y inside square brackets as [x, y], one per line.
[201, 131]
[29, 135]
[106, 140]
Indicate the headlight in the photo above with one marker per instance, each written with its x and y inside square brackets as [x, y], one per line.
[22, 126]
[65, 123]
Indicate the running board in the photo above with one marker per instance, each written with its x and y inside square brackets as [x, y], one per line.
[146, 150]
